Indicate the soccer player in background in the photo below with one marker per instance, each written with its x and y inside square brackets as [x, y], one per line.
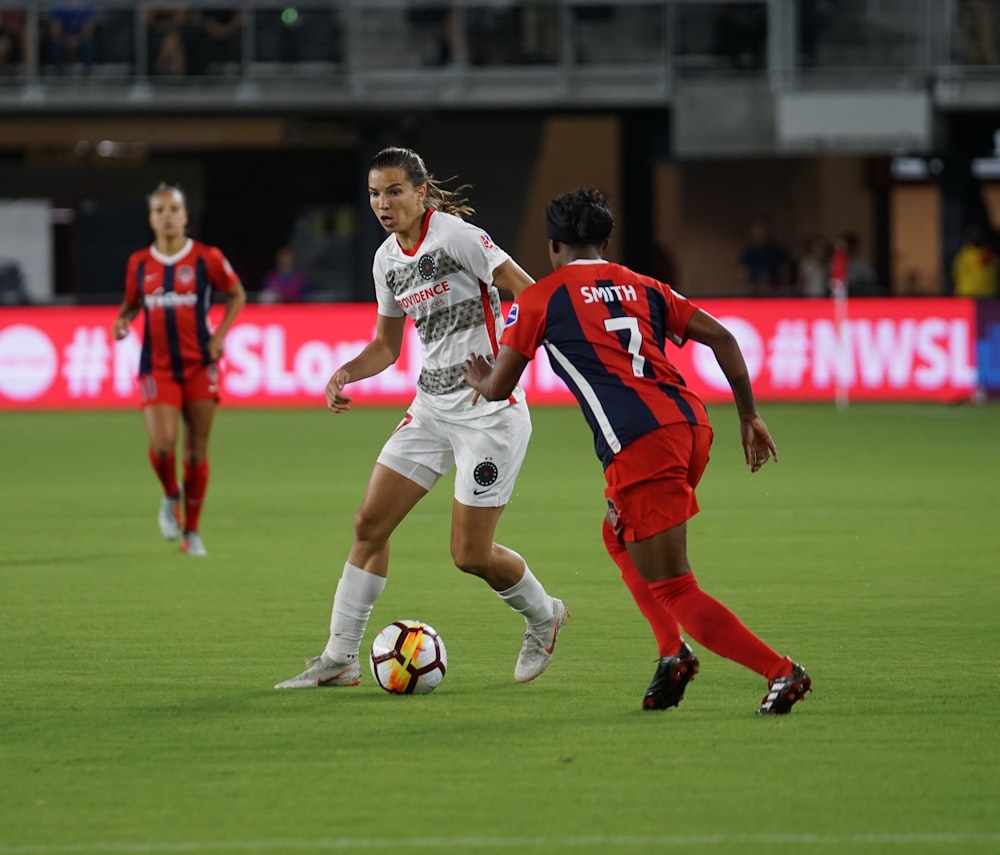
[605, 328]
[444, 274]
[171, 282]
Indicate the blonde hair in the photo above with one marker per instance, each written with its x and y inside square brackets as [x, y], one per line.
[438, 197]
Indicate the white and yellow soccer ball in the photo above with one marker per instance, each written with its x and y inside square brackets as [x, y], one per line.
[408, 657]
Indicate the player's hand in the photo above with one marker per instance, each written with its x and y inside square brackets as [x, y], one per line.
[119, 329]
[476, 371]
[215, 349]
[757, 443]
[335, 399]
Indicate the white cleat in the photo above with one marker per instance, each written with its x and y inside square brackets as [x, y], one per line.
[170, 518]
[192, 544]
[536, 651]
[324, 672]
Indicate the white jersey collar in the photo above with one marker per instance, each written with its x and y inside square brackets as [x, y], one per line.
[171, 259]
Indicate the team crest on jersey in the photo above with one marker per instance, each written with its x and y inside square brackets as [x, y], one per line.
[486, 473]
[614, 518]
[185, 275]
[427, 266]
[511, 316]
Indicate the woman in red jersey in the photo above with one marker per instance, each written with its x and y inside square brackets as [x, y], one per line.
[171, 282]
[605, 328]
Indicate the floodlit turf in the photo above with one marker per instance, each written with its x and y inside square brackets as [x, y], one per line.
[136, 708]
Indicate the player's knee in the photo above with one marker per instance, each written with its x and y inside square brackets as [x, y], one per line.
[470, 559]
[368, 527]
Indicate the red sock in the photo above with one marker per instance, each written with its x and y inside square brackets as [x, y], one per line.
[165, 468]
[195, 485]
[712, 625]
[662, 622]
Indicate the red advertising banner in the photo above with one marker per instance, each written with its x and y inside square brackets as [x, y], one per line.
[885, 350]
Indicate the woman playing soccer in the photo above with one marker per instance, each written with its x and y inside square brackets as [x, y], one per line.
[443, 274]
[171, 282]
[605, 328]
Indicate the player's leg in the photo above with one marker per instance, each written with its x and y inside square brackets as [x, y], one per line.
[662, 622]
[388, 499]
[677, 664]
[662, 559]
[661, 556]
[161, 401]
[201, 399]
[199, 414]
[488, 455]
[411, 462]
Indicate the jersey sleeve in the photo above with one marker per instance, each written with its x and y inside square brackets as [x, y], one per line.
[387, 304]
[524, 330]
[475, 251]
[679, 311]
[221, 273]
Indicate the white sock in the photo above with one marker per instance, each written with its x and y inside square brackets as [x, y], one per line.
[529, 598]
[357, 592]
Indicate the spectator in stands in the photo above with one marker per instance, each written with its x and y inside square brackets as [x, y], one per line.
[219, 42]
[741, 34]
[434, 27]
[71, 33]
[13, 291]
[15, 47]
[977, 22]
[765, 262]
[166, 27]
[284, 284]
[975, 270]
[813, 269]
[861, 278]
[664, 265]
[814, 16]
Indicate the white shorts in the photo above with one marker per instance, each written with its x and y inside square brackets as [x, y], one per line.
[487, 452]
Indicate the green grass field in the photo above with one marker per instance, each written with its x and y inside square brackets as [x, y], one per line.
[136, 708]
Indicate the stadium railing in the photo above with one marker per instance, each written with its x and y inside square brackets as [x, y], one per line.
[477, 53]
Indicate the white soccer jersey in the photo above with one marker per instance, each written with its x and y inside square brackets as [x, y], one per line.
[445, 285]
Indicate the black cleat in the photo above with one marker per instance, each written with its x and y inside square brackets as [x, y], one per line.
[784, 692]
[673, 673]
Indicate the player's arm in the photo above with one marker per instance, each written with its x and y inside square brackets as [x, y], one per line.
[236, 299]
[377, 355]
[510, 277]
[127, 312]
[495, 382]
[131, 304]
[757, 442]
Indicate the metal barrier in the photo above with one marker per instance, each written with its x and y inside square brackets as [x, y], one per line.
[476, 53]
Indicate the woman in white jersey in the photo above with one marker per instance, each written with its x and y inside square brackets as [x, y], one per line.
[444, 274]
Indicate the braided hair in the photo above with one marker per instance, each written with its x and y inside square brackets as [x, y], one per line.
[580, 217]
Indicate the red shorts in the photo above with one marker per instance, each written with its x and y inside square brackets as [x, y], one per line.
[162, 388]
[651, 481]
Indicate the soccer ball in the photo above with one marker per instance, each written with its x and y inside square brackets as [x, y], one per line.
[408, 658]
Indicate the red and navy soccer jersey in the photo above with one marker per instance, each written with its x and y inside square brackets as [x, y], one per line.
[175, 293]
[605, 328]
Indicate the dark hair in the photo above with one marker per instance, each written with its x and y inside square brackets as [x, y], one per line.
[163, 187]
[438, 198]
[581, 217]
